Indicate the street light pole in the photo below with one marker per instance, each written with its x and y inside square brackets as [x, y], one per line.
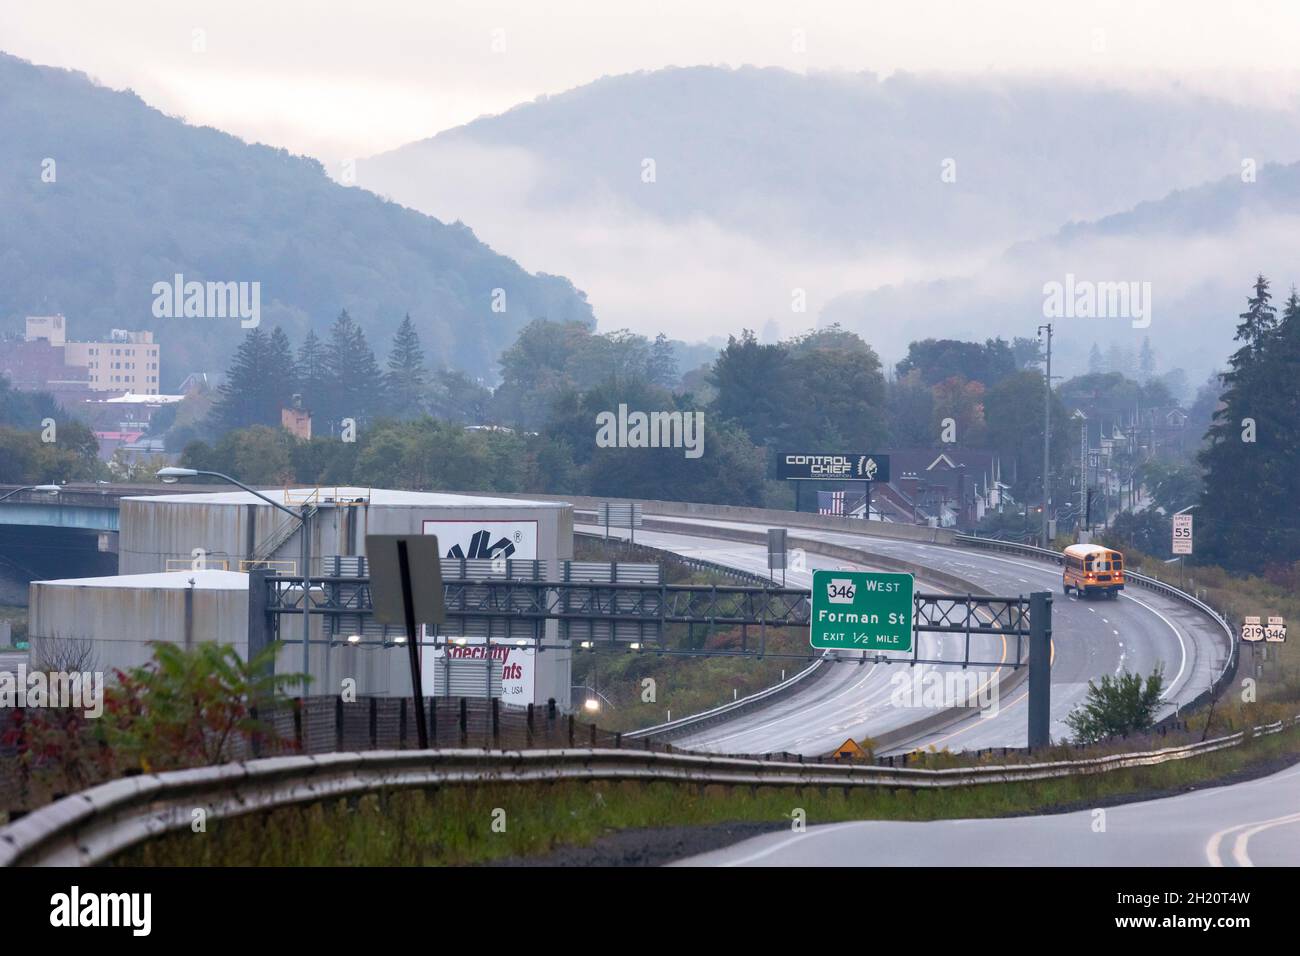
[171, 474]
[304, 517]
[1047, 422]
[48, 489]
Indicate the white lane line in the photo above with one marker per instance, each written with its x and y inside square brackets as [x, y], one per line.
[803, 715]
[705, 739]
[1182, 645]
[806, 835]
[1240, 856]
[800, 716]
[912, 547]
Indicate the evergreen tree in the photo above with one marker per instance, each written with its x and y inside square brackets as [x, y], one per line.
[1096, 364]
[406, 380]
[1259, 319]
[1146, 360]
[1279, 418]
[282, 382]
[245, 397]
[353, 379]
[662, 367]
[1251, 454]
[310, 372]
[1114, 358]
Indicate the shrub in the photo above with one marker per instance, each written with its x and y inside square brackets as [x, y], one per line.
[185, 708]
[1117, 706]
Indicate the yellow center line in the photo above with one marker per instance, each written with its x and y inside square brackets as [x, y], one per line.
[972, 725]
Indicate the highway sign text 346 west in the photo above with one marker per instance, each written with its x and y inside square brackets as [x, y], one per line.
[861, 610]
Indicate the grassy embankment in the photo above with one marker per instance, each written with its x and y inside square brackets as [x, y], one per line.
[682, 685]
[1276, 667]
[454, 825]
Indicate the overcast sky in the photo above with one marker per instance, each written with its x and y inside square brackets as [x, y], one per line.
[345, 78]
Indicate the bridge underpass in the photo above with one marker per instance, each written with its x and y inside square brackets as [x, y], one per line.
[33, 553]
[69, 535]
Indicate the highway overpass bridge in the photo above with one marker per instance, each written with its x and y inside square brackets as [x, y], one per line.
[69, 534]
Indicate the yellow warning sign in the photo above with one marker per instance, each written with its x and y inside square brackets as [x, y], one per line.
[850, 748]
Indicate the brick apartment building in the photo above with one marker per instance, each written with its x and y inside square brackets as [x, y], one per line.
[128, 362]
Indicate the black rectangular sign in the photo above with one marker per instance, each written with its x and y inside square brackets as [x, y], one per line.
[798, 466]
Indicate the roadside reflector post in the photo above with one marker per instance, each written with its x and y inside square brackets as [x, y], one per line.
[1040, 669]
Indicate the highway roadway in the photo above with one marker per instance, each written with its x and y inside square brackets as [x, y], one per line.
[854, 698]
[1139, 631]
[1255, 823]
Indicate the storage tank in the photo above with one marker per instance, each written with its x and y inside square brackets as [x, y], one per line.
[235, 530]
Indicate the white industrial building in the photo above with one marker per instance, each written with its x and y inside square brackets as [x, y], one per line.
[117, 618]
[183, 562]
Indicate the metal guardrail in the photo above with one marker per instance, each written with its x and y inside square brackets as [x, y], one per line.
[95, 825]
[689, 561]
[1160, 587]
[705, 717]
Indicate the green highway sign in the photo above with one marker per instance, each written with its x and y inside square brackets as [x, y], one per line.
[861, 611]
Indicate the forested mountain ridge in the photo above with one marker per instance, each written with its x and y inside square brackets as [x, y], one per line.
[101, 196]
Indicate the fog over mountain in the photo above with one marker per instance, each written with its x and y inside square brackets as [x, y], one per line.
[764, 182]
[1198, 248]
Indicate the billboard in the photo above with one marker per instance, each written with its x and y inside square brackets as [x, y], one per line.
[799, 466]
[460, 667]
[483, 540]
[461, 670]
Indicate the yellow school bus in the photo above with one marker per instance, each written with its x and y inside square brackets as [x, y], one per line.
[1091, 569]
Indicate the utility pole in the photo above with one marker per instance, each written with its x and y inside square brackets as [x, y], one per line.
[1082, 419]
[1047, 423]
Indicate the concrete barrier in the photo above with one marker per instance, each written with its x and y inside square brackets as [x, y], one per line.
[772, 517]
